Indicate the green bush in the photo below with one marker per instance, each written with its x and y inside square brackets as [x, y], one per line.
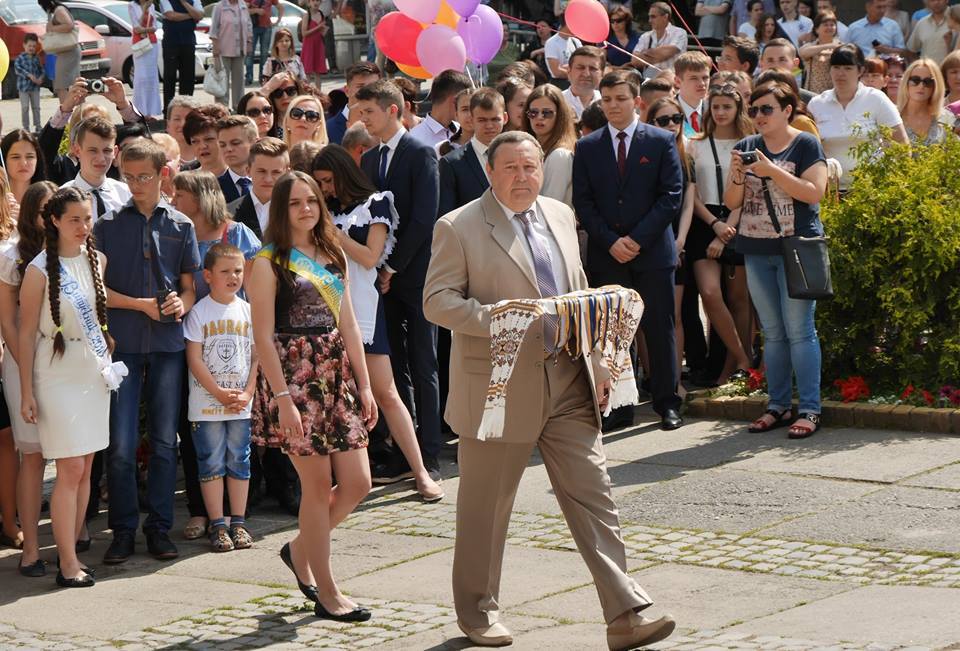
[895, 256]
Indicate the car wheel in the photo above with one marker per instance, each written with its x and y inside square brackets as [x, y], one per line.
[127, 72]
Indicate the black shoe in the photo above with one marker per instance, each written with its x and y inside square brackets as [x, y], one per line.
[7, 541]
[120, 549]
[309, 591]
[39, 568]
[618, 419]
[83, 582]
[89, 570]
[83, 545]
[160, 546]
[394, 470]
[358, 614]
[670, 420]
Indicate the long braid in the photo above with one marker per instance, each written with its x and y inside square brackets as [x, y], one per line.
[53, 277]
[101, 292]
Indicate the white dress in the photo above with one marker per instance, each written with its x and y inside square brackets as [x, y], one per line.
[25, 435]
[146, 73]
[73, 402]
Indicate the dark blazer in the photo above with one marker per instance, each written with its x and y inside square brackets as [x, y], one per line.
[642, 204]
[413, 179]
[461, 179]
[243, 212]
[336, 127]
[60, 168]
[228, 187]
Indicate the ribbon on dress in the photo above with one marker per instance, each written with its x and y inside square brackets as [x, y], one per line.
[327, 284]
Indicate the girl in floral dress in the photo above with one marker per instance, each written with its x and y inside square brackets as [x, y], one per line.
[308, 402]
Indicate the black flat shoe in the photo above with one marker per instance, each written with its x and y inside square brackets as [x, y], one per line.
[83, 545]
[85, 582]
[309, 591]
[88, 570]
[7, 541]
[358, 614]
[34, 570]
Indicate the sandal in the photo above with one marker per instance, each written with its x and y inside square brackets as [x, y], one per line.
[220, 540]
[241, 537]
[802, 431]
[780, 418]
[196, 528]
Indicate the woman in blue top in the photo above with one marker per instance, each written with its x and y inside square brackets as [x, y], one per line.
[623, 35]
[790, 165]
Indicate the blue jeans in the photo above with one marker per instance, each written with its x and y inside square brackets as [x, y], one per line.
[163, 373]
[261, 35]
[223, 448]
[790, 343]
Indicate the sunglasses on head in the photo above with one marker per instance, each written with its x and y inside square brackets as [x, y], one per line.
[929, 82]
[765, 109]
[533, 114]
[299, 114]
[289, 91]
[664, 120]
[255, 112]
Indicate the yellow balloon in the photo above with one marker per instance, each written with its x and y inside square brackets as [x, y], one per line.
[414, 71]
[4, 60]
[447, 16]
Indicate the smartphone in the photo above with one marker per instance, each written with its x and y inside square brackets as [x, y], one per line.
[161, 299]
[748, 157]
[875, 43]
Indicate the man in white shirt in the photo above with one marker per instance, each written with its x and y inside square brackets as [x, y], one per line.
[439, 125]
[585, 70]
[95, 148]
[269, 160]
[794, 24]
[661, 45]
[927, 38]
[557, 52]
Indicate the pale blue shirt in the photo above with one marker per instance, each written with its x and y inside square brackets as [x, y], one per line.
[863, 33]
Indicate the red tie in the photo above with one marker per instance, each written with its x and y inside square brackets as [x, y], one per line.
[695, 121]
[622, 153]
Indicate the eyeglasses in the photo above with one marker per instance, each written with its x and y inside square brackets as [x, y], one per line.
[929, 82]
[139, 180]
[289, 91]
[664, 120]
[255, 112]
[765, 109]
[299, 114]
[533, 114]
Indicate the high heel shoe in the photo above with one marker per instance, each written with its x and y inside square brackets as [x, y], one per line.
[309, 591]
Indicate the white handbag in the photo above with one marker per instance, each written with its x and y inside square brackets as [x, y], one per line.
[141, 47]
[215, 79]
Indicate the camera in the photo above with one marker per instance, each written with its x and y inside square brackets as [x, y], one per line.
[748, 157]
[97, 86]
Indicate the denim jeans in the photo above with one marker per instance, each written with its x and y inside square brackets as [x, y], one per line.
[223, 448]
[163, 374]
[262, 36]
[790, 343]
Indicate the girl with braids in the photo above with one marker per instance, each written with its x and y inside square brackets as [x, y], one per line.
[64, 350]
[15, 254]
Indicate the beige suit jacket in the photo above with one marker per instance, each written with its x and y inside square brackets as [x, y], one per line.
[477, 260]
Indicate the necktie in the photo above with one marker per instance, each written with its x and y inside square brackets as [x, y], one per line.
[244, 184]
[101, 207]
[695, 121]
[384, 151]
[622, 153]
[543, 268]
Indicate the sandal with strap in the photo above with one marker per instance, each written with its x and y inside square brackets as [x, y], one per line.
[241, 537]
[780, 418]
[220, 540]
[802, 431]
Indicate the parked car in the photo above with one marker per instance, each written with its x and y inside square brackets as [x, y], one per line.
[292, 14]
[111, 19]
[20, 17]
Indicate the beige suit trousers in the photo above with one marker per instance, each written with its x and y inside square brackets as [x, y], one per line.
[572, 452]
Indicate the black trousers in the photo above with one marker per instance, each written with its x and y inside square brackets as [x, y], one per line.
[178, 63]
[656, 289]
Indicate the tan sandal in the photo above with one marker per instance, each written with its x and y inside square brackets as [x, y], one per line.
[220, 540]
[196, 528]
[434, 494]
[241, 537]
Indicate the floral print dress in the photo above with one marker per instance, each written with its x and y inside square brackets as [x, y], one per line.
[318, 375]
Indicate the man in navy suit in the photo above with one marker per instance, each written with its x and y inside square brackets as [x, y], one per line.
[235, 136]
[357, 76]
[408, 169]
[627, 185]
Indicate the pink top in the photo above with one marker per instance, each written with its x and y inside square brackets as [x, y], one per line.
[232, 28]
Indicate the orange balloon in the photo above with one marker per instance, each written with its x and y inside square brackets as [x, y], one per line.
[414, 71]
[447, 16]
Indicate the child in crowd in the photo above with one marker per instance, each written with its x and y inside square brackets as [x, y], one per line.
[283, 57]
[95, 148]
[29, 80]
[222, 362]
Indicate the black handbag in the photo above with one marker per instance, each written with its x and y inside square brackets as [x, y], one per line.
[805, 260]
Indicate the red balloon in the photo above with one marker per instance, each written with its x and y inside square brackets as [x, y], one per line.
[587, 20]
[396, 36]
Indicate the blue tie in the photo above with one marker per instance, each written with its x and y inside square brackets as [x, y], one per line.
[244, 184]
[382, 181]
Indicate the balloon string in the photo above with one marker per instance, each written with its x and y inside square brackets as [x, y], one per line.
[691, 32]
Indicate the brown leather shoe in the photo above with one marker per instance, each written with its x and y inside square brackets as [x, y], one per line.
[495, 635]
[639, 633]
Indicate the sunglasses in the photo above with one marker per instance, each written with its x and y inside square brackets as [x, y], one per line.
[765, 109]
[289, 91]
[664, 120]
[255, 112]
[533, 114]
[618, 20]
[299, 114]
[926, 81]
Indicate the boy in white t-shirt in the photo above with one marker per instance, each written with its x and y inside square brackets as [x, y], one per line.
[557, 51]
[223, 365]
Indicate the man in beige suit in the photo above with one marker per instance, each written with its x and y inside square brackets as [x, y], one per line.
[509, 244]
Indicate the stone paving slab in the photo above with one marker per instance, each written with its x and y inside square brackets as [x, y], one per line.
[947, 478]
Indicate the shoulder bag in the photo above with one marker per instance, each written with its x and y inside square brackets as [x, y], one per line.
[59, 42]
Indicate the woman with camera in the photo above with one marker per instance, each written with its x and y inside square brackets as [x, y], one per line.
[779, 174]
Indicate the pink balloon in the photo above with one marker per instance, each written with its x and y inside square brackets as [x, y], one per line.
[440, 48]
[482, 34]
[587, 20]
[464, 7]
[423, 11]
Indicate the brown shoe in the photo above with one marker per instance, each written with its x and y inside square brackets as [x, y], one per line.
[639, 633]
[495, 635]
[241, 537]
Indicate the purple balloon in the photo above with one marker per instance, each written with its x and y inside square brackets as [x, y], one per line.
[440, 48]
[464, 7]
[482, 34]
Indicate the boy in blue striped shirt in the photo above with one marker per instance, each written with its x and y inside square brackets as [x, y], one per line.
[29, 80]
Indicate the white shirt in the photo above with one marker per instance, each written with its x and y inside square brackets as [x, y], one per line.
[262, 210]
[706, 170]
[560, 49]
[432, 133]
[574, 102]
[392, 144]
[548, 242]
[687, 112]
[114, 193]
[480, 150]
[748, 30]
[868, 108]
[796, 28]
[927, 38]
[629, 130]
[236, 177]
[674, 36]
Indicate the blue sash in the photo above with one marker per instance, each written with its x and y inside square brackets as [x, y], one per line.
[328, 285]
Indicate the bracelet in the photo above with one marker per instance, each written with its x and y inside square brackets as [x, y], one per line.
[281, 394]
[735, 183]
[714, 222]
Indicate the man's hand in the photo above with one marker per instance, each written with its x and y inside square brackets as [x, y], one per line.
[173, 305]
[384, 276]
[75, 94]
[624, 250]
[114, 92]
[603, 394]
